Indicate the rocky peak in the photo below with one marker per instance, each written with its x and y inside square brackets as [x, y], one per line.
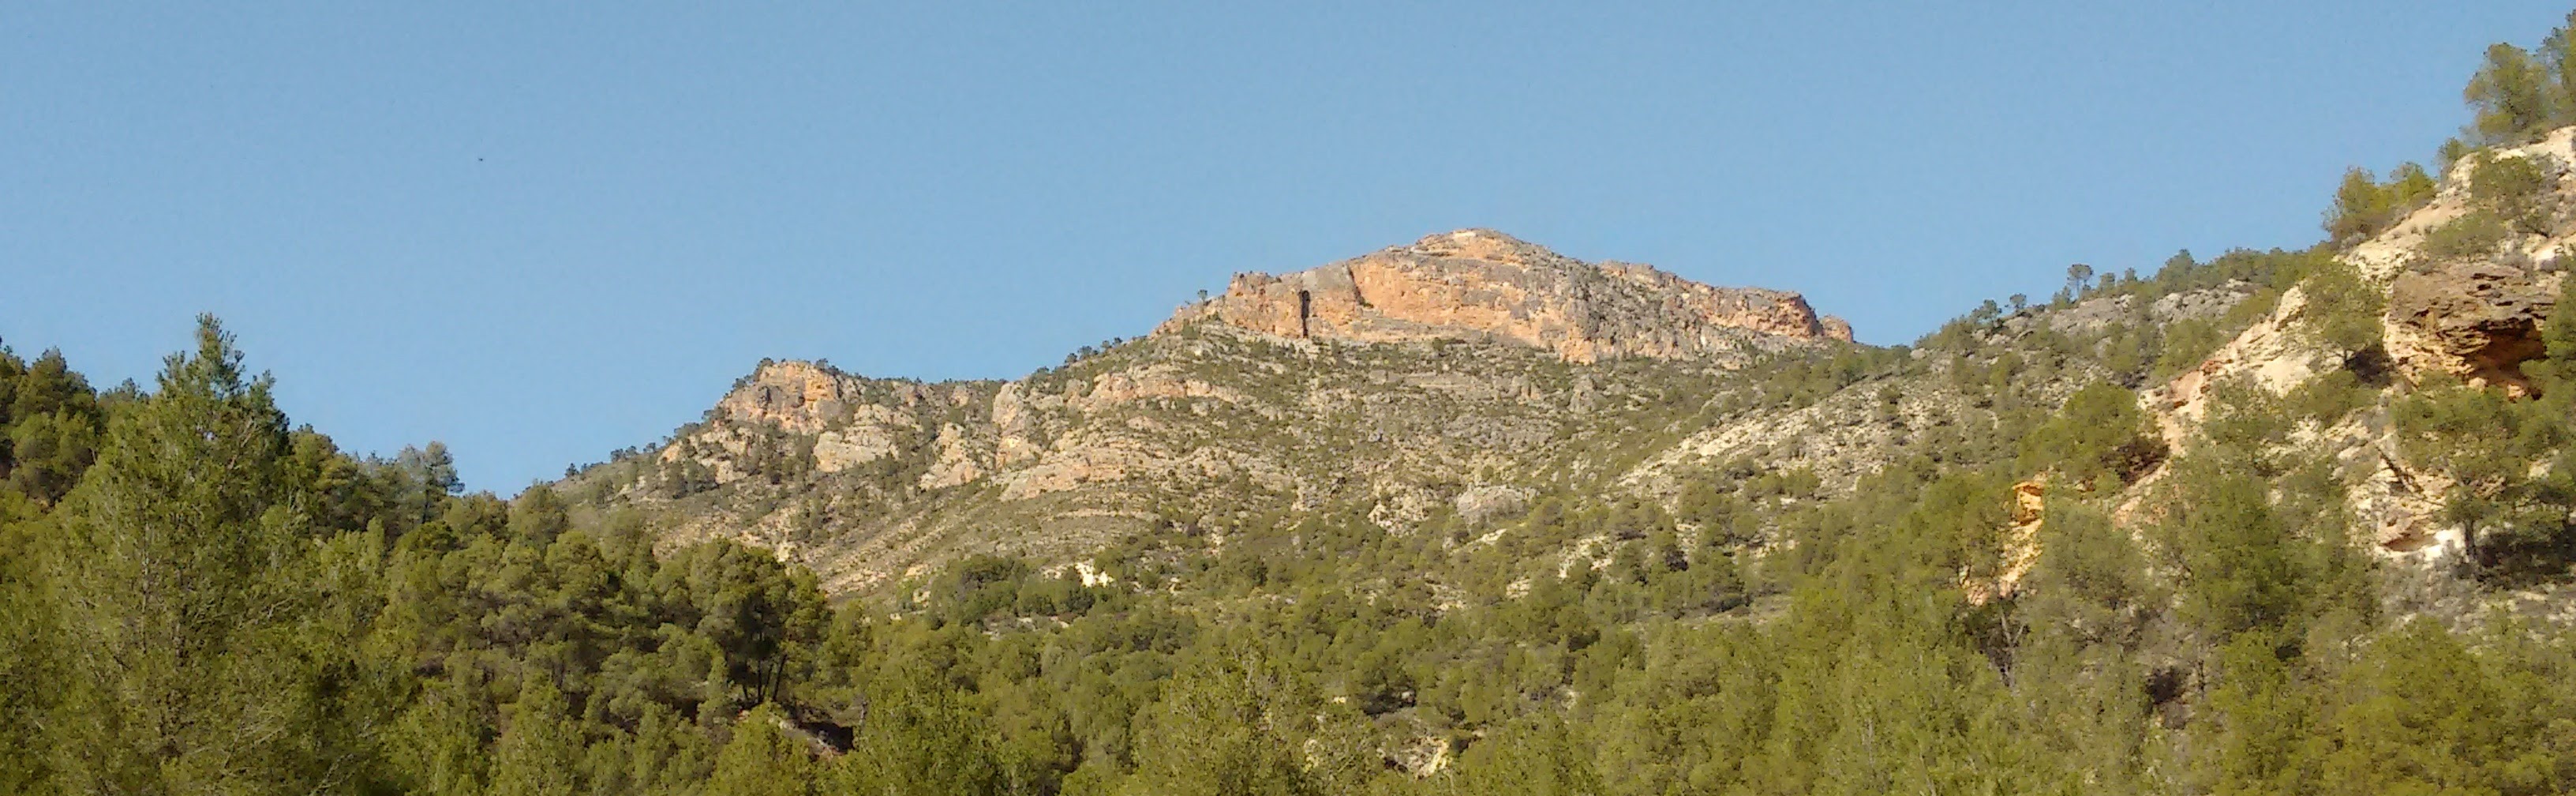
[795, 395]
[1487, 245]
[1483, 284]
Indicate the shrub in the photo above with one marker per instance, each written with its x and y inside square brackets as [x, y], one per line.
[2343, 311]
[2472, 235]
[2364, 207]
[2515, 189]
[2100, 432]
[2187, 342]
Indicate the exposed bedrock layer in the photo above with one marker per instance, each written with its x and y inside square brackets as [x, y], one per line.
[1482, 284]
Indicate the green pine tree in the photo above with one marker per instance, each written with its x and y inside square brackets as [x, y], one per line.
[183, 591]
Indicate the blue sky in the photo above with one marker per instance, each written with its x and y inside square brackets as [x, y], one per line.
[540, 232]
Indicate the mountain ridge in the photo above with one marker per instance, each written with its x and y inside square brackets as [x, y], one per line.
[1482, 369]
[1466, 374]
[1480, 282]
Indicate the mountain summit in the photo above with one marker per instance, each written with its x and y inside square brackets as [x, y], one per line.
[1465, 371]
[1483, 284]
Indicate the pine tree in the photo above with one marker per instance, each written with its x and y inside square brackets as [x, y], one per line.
[28, 651]
[2364, 207]
[2263, 719]
[2391, 734]
[2557, 54]
[540, 753]
[1210, 736]
[182, 589]
[762, 760]
[49, 426]
[2242, 565]
[440, 745]
[2484, 442]
[1538, 756]
[2510, 95]
[918, 740]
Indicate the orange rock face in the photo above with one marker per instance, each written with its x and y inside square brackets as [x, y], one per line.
[2478, 321]
[2021, 546]
[1484, 284]
[797, 396]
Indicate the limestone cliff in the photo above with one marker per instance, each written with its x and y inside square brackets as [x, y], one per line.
[2472, 315]
[1482, 284]
[2476, 317]
[2478, 321]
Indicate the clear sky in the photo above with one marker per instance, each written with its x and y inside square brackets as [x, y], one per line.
[543, 231]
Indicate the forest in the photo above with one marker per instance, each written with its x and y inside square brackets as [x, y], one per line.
[198, 595]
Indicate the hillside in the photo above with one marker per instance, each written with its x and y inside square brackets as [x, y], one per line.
[1460, 430]
[1464, 373]
[1460, 516]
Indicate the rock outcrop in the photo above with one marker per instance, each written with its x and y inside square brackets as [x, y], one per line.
[1482, 284]
[2450, 314]
[2474, 317]
[2021, 546]
[2274, 354]
[2475, 320]
[796, 396]
[838, 420]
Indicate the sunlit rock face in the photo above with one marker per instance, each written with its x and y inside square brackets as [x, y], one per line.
[1482, 284]
[2477, 321]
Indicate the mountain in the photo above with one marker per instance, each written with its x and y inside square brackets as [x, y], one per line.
[1451, 492]
[1456, 516]
[1457, 374]
[1467, 373]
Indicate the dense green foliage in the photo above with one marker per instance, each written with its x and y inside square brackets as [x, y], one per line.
[235, 606]
[50, 421]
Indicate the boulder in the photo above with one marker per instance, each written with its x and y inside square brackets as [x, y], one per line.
[2477, 321]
